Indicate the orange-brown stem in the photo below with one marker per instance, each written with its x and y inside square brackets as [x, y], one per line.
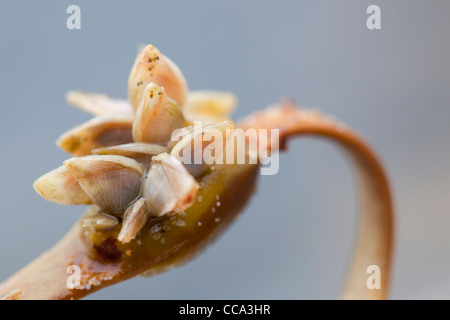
[375, 238]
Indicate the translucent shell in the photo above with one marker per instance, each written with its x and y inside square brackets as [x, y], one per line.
[102, 131]
[61, 187]
[112, 182]
[152, 66]
[157, 116]
[168, 187]
[100, 221]
[199, 147]
[141, 152]
[98, 104]
[134, 220]
[208, 105]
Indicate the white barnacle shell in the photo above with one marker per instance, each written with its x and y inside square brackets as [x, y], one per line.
[157, 116]
[98, 104]
[200, 146]
[208, 105]
[152, 66]
[112, 182]
[61, 187]
[134, 220]
[141, 152]
[102, 131]
[100, 220]
[168, 187]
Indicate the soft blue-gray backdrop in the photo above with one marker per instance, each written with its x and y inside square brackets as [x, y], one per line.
[294, 239]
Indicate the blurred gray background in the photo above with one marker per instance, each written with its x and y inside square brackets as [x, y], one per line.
[295, 237]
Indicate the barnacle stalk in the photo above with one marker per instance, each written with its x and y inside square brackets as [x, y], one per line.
[151, 211]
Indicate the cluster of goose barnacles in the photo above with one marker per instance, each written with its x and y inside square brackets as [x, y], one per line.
[125, 161]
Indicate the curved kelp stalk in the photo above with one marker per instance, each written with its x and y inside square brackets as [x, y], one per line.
[375, 238]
